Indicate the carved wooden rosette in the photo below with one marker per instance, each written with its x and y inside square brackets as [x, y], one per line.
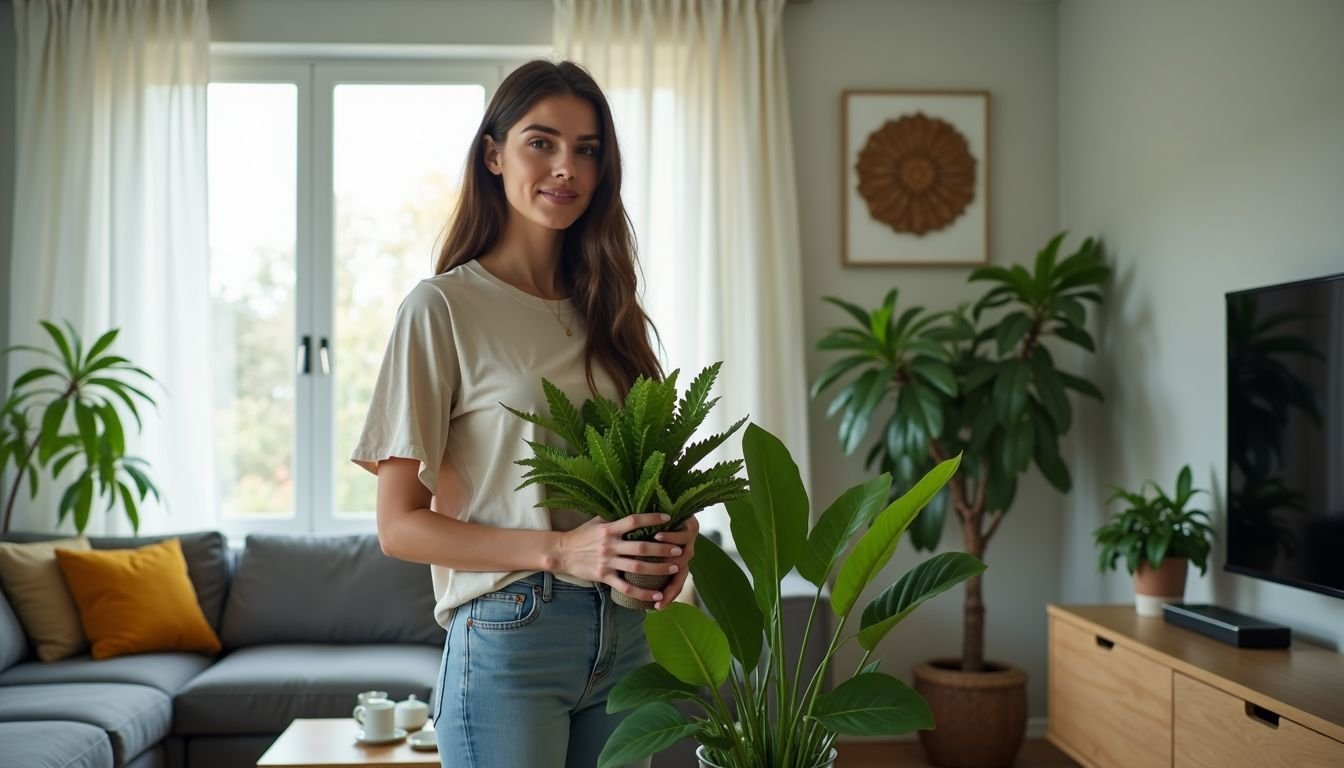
[917, 174]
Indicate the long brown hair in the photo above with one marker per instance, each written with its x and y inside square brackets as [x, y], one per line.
[597, 255]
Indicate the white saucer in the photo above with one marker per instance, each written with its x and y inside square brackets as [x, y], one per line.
[423, 740]
[397, 735]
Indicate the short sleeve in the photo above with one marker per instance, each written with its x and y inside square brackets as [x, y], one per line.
[416, 387]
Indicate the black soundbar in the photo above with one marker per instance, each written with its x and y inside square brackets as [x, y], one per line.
[1228, 626]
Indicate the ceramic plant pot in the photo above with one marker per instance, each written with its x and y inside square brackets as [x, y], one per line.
[1155, 586]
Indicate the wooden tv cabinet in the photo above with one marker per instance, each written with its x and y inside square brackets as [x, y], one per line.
[1132, 691]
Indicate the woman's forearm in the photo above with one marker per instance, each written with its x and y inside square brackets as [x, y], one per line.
[425, 536]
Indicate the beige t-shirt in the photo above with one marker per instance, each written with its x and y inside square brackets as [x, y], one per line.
[463, 343]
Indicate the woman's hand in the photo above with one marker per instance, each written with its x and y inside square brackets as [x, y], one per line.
[684, 538]
[597, 551]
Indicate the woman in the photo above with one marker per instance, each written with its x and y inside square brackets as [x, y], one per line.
[536, 279]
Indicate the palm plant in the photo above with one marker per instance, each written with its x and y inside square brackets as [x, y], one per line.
[635, 457]
[772, 716]
[91, 386]
[978, 381]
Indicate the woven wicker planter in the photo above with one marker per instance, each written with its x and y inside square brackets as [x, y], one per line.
[980, 718]
[642, 580]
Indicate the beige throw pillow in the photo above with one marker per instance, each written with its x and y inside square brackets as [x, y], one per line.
[37, 591]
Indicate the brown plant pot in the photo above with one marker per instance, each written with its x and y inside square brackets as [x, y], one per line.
[642, 580]
[1155, 586]
[980, 718]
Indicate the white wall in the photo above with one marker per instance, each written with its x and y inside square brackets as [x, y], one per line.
[1007, 48]
[1205, 140]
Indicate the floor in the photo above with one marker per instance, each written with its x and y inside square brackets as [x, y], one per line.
[1036, 753]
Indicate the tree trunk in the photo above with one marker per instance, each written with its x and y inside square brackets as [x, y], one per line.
[973, 621]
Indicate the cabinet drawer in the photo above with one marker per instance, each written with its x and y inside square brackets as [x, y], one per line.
[1218, 730]
[1108, 705]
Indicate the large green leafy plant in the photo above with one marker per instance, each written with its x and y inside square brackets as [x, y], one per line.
[69, 411]
[774, 716]
[979, 381]
[624, 459]
[1152, 527]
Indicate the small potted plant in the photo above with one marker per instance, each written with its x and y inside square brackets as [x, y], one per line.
[1157, 537]
[756, 709]
[626, 459]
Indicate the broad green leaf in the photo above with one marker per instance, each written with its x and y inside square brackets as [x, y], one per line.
[688, 644]
[931, 577]
[780, 508]
[102, 343]
[727, 595]
[1010, 390]
[71, 364]
[876, 546]
[51, 429]
[1010, 331]
[873, 704]
[647, 731]
[647, 684]
[937, 373]
[846, 516]
[83, 501]
[927, 528]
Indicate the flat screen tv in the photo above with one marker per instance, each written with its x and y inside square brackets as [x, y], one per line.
[1285, 433]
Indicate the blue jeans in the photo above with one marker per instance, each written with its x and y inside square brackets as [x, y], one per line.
[526, 673]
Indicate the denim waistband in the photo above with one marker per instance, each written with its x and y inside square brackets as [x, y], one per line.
[540, 579]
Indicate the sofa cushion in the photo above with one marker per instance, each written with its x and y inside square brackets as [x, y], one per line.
[260, 689]
[206, 554]
[55, 744]
[327, 589]
[34, 586]
[13, 642]
[167, 672]
[137, 600]
[134, 717]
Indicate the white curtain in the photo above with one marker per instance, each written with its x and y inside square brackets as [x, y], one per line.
[110, 222]
[701, 108]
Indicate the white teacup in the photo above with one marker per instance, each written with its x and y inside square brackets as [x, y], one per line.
[378, 716]
[367, 696]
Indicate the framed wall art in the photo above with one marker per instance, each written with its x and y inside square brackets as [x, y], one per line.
[916, 178]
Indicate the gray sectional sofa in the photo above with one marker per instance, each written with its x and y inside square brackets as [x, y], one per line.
[306, 622]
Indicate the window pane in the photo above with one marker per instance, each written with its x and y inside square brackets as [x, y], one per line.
[398, 154]
[253, 168]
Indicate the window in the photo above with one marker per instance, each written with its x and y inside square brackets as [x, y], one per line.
[329, 183]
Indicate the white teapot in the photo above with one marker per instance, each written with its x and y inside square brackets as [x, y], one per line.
[412, 714]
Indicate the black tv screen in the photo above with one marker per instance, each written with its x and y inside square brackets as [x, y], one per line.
[1285, 433]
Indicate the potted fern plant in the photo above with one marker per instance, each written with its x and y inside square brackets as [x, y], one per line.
[980, 381]
[730, 664]
[69, 410]
[1158, 538]
[625, 459]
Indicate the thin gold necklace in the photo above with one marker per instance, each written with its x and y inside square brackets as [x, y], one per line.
[556, 314]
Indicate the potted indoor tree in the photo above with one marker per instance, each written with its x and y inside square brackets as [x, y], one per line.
[1158, 538]
[756, 712]
[980, 381]
[625, 459]
[69, 411]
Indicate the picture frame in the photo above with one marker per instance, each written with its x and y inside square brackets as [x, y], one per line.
[914, 178]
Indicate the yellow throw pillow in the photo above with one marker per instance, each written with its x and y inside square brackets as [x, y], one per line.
[44, 605]
[137, 600]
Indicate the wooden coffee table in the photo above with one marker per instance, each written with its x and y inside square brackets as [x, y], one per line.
[330, 743]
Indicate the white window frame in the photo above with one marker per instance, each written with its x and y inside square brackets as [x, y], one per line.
[315, 70]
